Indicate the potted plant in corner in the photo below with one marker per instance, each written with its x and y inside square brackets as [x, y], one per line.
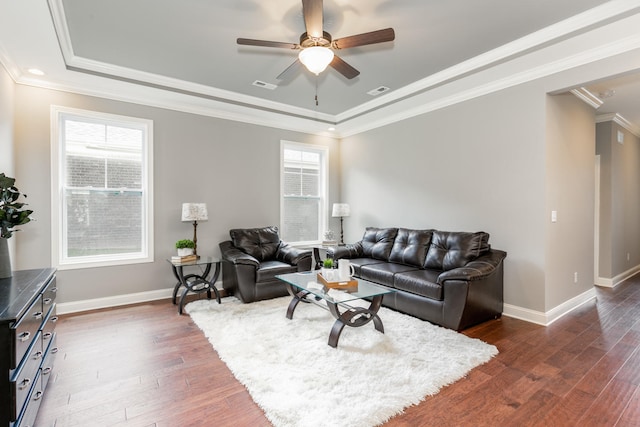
[185, 247]
[12, 215]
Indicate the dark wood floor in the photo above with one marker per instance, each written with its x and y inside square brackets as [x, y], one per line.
[145, 365]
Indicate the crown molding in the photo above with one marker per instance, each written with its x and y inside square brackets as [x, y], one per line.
[618, 119]
[588, 97]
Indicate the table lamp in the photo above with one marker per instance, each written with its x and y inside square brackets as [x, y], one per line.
[341, 210]
[194, 212]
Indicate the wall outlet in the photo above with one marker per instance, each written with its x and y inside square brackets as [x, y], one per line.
[575, 277]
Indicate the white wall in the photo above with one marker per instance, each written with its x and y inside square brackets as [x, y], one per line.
[231, 166]
[473, 166]
[620, 202]
[570, 191]
[6, 122]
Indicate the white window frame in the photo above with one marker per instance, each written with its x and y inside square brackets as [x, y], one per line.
[58, 255]
[324, 186]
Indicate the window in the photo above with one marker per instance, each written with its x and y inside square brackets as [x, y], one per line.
[101, 189]
[303, 215]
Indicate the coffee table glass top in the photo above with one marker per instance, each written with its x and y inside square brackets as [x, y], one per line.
[308, 281]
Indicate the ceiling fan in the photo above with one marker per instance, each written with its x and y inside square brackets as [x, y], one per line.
[316, 45]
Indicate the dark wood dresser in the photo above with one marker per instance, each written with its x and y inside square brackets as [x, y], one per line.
[27, 343]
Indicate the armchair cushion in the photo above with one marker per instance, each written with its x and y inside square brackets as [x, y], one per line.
[260, 243]
[449, 250]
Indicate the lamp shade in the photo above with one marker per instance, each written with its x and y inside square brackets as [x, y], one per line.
[316, 58]
[194, 212]
[341, 209]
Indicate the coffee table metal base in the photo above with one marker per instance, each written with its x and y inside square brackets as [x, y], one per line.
[344, 314]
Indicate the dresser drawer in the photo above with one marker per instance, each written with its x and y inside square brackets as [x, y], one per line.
[49, 361]
[49, 294]
[24, 331]
[49, 324]
[24, 377]
[30, 411]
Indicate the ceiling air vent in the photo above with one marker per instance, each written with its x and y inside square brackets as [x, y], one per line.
[378, 90]
[264, 85]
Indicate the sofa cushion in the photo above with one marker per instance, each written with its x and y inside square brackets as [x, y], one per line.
[260, 243]
[377, 242]
[449, 250]
[420, 282]
[383, 272]
[269, 269]
[410, 247]
[358, 263]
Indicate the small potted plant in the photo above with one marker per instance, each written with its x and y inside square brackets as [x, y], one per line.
[185, 247]
[327, 269]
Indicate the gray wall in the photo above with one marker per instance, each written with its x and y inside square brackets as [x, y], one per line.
[231, 166]
[474, 166]
[570, 190]
[619, 200]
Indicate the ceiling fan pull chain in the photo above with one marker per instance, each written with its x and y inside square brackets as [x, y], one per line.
[316, 90]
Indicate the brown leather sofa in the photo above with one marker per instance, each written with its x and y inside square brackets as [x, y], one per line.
[252, 259]
[453, 279]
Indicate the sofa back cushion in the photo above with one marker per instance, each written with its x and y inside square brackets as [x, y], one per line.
[449, 250]
[260, 243]
[377, 242]
[410, 247]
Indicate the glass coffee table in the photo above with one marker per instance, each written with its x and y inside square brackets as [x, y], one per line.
[304, 287]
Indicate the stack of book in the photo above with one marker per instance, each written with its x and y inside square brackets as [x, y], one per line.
[182, 259]
[329, 243]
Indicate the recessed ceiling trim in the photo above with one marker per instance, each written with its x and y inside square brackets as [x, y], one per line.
[385, 116]
[598, 15]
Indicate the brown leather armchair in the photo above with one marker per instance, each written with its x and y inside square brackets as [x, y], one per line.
[252, 259]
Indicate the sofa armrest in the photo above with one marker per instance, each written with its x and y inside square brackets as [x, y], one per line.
[477, 269]
[352, 250]
[236, 256]
[292, 255]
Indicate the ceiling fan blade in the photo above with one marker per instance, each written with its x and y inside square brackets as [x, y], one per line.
[266, 43]
[312, 11]
[290, 71]
[373, 37]
[343, 68]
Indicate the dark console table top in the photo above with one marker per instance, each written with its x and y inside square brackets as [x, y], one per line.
[17, 291]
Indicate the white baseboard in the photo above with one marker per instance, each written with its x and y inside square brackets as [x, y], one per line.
[615, 281]
[117, 300]
[114, 301]
[545, 319]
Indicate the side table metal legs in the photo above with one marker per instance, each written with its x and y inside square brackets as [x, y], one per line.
[195, 283]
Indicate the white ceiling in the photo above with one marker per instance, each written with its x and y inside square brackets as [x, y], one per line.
[183, 54]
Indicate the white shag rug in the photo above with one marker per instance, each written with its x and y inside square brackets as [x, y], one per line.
[298, 380]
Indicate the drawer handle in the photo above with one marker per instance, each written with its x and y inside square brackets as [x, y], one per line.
[54, 289]
[54, 319]
[37, 355]
[47, 370]
[54, 350]
[47, 301]
[37, 395]
[38, 315]
[24, 383]
[46, 335]
[24, 336]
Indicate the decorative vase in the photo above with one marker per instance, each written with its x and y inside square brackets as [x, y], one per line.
[5, 259]
[185, 251]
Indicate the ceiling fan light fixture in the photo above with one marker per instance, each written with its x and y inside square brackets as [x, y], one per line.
[316, 58]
